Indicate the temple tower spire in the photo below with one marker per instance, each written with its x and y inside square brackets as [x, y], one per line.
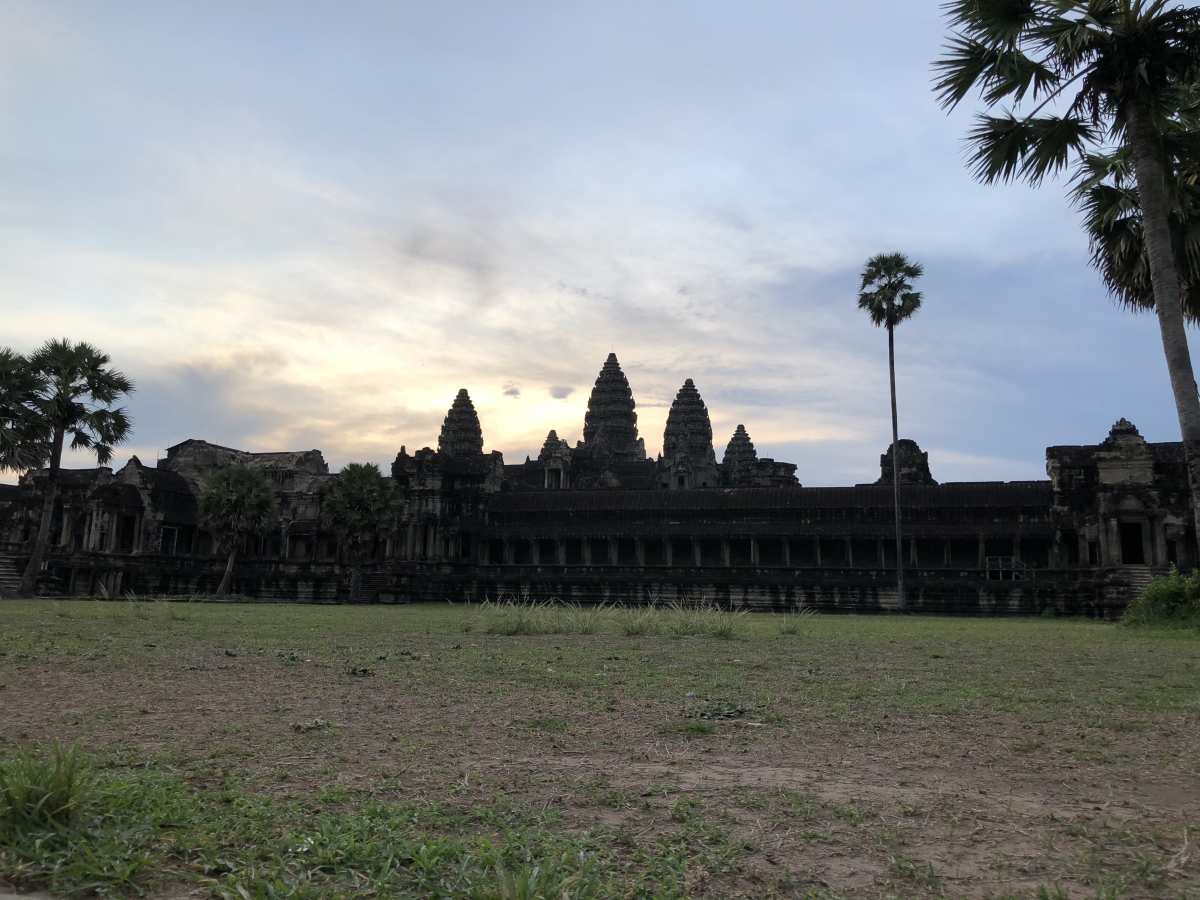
[739, 452]
[461, 437]
[610, 425]
[688, 457]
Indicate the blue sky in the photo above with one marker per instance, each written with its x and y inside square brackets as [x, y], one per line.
[308, 225]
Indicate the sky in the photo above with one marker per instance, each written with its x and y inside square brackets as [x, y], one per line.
[308, 225]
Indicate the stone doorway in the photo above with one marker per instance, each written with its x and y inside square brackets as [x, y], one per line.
[1132, 552]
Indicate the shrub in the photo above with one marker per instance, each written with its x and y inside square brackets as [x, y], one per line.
[1171, 600]
[42, 793]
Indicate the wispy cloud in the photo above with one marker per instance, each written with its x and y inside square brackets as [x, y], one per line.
[308, 241]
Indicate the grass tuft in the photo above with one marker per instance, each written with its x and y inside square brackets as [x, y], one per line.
[41, 793]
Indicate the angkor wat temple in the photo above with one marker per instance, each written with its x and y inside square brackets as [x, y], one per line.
[602, 522]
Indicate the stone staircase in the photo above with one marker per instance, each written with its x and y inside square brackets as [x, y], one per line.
[1140, 577]
[10, 577]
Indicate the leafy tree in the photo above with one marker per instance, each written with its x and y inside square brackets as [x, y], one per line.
[24, 438]
[887, 295]
[72, 393]
[1104, 75]
[358, 505]
[236, 502]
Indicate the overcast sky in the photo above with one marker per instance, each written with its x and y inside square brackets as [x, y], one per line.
[307, 225]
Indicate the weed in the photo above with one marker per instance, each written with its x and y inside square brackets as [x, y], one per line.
[43, 792]
[923, 874]
[850, 814]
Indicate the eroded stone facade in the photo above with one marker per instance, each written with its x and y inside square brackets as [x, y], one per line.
[600, 521]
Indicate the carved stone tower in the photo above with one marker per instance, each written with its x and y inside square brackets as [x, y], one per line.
[914, 464]
[610, 426]
[555, 459]
[688, 459]
[461, 436]
[740, 455]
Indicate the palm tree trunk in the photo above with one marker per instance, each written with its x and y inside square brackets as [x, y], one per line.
[900, 598]
[1168, 293]
[33, 568]
[227, 578]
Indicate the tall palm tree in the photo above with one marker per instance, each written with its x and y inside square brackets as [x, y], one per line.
[74, 396]
[1113, 73]
[24, 439]
[236, 502]
[887, 295]
[1106, 191]
[359, 505]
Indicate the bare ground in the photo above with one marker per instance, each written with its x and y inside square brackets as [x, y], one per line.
[890, 799]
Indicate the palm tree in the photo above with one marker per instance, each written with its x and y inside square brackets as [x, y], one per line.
[1118, 72]
[1106, 191]
[358, 505]
[73, 395]
[887, 296]
[236, 502]
[24, 439]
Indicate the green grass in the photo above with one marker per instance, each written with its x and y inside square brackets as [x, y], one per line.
[522, 750]
[145, 827]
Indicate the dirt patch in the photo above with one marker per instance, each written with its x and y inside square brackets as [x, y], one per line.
[975, 802]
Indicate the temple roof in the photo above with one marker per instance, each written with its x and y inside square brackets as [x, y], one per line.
[610, 425]
[957, 494]
[461, 437]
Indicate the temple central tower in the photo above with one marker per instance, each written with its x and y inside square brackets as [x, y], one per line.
[610, 425]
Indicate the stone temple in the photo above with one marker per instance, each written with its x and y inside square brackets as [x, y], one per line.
[602, 522]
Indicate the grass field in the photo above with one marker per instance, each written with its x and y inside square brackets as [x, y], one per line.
[307, 751]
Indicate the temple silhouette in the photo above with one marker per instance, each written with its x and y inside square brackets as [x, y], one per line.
[603, 522]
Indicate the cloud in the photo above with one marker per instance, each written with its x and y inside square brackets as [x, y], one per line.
[286, 253]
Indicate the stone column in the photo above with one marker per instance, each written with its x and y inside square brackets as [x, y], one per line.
[613, 556]
[535, 551]
[639, 551]
[560, 551]
[946, 553]
[1160, 541]
[587, 551]
[509, 555]
[1017, 547]
[1116, 558]
[787, 552]
[726, 560]
[881, 553]
[849, 553]
[912, 552]
[982, 557]
[668, 551]
[697, 552]
[754, 557]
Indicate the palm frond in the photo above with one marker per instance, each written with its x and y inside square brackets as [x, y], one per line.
[1005, 147]
[993, 22]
